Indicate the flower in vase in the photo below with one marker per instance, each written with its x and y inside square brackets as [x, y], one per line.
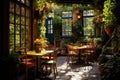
[41, 41]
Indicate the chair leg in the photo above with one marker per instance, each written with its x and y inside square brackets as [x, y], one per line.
[67, 59]
[55, 71]
[26, 74]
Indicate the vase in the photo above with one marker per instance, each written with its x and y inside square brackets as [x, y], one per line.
[38, 48]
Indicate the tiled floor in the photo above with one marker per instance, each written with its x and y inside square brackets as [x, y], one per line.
[76, 71]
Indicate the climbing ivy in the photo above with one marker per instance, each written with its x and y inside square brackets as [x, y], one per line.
[109, 17]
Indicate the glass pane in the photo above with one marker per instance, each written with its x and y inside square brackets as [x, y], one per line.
[88, 13]
[23, 37]
[28, 2]
[11, 17]
[66, 27]
[11, 7]
[51, 22]
[17, 39]
[22, 11]
[18, 0]
[27, 21]
[23, 1]
[27, 30]
[17, 9]
[27, 13]
[27, 41]
[69, 14]
[88, 26]
[27, 46]
[17, 19]
[64, 14]
[22, 45]
[11, 47]
[48, 22]
[11, 38]
[17, 47]
[51, 30]
[17, 29]
[11, 28]
[84, 13]
[23, 30]
[23, 20]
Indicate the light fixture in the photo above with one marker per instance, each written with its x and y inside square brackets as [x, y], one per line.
[50, 15]
[78, 16]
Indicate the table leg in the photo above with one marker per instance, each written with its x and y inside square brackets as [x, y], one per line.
[79, 55]
[37, 66]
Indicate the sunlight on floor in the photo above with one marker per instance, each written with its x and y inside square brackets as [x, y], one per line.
[75, 71]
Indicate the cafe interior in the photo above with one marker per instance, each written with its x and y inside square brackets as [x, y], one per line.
[60, 39]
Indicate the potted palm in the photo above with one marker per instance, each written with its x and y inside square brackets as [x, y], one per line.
[109, 18]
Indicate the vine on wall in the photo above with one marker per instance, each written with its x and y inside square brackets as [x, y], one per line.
[41, 6]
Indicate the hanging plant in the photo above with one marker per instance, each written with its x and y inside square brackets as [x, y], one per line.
[39, 4]
[109, 18]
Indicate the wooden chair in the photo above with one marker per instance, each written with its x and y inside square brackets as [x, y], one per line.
[49, 63]
[88, 54]
[28, 64]
[72, 54]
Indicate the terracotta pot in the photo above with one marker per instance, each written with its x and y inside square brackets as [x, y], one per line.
[38, 48]
[109, 30]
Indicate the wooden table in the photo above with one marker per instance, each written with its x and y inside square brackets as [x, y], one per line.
[83, 47]
[40, 54]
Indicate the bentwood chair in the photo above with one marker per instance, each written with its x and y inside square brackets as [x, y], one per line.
[49, 64]
[72, 54]
[88, 53]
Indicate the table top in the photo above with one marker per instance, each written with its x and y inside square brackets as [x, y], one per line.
[42, 53]
[82, 47]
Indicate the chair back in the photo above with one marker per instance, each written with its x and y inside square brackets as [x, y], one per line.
[71, 50]
[89, 52]
[24, 57]
[54, 55]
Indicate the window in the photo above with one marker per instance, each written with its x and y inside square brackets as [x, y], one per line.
[50, 26]
[88, 16]
[19, 23]
[66, 24]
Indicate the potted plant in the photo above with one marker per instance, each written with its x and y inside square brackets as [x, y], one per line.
[77, 31]
[40, 44]
[111, 68]
[109, 18]
[9, 65]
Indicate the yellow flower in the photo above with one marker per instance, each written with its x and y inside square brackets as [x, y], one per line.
[37, 41]
[41, 41]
